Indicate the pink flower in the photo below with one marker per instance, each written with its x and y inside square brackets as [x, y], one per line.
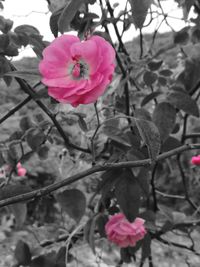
[77, 72]
[195, 160]
[20, 170]
[123, 233]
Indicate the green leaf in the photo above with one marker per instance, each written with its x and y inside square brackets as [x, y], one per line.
[150, 136]
[139, 11]
[150, 97]
[68, 14]
[25, 123]
[73, 202]
[22, 253]
[101, 222]
[164, 117]
[128, 194]
[155, 64]
[125, 255]
[82, 124]
[162, 80]
[150, 78]
[184, 102]
[5, 68]
[4, 42]
[43, 152]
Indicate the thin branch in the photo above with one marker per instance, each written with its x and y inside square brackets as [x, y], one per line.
[95, 133]
[98, 168]
[15, 109]
[27, 89]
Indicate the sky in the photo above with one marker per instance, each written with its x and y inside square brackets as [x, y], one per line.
[36, 13]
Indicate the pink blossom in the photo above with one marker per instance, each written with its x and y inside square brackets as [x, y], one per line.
[123, 233]
[21, 172]
[195, 160]
[77, 72]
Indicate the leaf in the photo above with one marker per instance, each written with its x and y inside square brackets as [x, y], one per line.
[25, 123]
[82, 124]
[5, 68]
[22, 253]
[35, 138]
[25, 74]
[150, 78]
[13, 190]
[68, 14]
[128, 193]
[184, 102]
[195, 37]
[170, 143]
[125, 255]
[101, 222]
[28, 29]
[19, 210]
[43, 152]
[89, 232]
[162, 80]
[139, 11]
[150, 136]
[4, 42]
[182, 37]
[73, 202]
[146, 247]
[155, 64]
[60, 257]
[143, 179]
[166, 72]
[164, 117]
[42, 261]
[150, 97]
[53, 22]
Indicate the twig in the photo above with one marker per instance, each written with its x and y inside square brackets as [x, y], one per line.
[95, 133]
[15, 109]
[98, 168]
[27, 89]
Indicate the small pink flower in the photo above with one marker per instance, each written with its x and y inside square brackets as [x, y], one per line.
[195, 160]
[21, 172]
[77, 72]
[123, 233]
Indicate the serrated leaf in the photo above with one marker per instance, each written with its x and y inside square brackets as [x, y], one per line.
[164, 117]
[155, 64]
[68, 14]
[22, 253]
[150, 78]
[150, 97]
[128, 194]
[19, 210]
[73, 202]
[139, 11]
[150, 136]
[184, 102]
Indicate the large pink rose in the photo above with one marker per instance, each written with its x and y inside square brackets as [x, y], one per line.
[123, 233]
[77, 72]
[195, 160]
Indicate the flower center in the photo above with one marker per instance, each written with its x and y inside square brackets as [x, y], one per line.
[79, 69]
